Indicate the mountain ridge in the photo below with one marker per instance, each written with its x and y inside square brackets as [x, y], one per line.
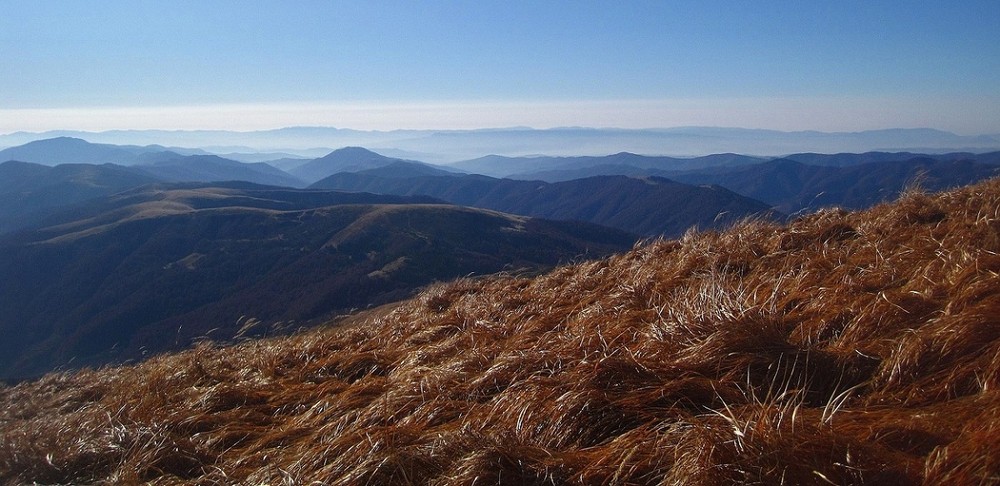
[441, 146]
[110, 279]
[347, 159]
[651, 206]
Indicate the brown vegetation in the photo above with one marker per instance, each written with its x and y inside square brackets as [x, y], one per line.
[844, 348]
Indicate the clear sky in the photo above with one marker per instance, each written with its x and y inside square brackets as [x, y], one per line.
[789, 65]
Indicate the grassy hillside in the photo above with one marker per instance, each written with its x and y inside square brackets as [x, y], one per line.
[844, 348]
[157, 268]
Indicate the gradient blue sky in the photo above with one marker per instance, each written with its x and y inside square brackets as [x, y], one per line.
[834, 66]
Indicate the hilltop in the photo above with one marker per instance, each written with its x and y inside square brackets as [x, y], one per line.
[844, 348]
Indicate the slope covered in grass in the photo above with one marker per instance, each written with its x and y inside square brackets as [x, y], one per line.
[845, 348]
[159, 267]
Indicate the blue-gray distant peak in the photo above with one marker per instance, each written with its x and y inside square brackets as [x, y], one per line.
[347, 159]
[68, 150]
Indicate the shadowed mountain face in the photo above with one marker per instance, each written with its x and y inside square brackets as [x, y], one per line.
[212, 168]
[849, 159]
[156, 268]
[348, 159]
[558, 169]
[649, 206]
[29, 192]
[797, 183]
[555, 169]
[68, 150]
[794, 187]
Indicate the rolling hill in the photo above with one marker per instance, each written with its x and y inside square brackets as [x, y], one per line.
[347, 159]
[844, 348]
[212, 168]
[69, 150]
[794, 187]
[649, 206]
[167, 164]
[557, 169]
[30, 192]
[161, 266]
[850, 159]
[797, 183]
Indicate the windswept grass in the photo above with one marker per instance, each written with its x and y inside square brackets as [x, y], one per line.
[844, 348]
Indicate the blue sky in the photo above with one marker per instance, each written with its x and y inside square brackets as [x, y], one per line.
[437, 64]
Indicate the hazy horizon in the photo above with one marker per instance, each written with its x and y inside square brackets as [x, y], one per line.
[799, 115]
[384, 66]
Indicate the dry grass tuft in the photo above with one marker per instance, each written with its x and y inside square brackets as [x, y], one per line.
[843, 348]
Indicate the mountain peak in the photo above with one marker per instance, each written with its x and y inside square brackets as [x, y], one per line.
[347, 159]
[68, 150]
[353, 150]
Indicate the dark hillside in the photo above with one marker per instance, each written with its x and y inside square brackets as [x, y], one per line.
[532, 168]
[844, 348]
[212, 168]
[30, 192]
[347, 159]
[648, 206]
[158, 268]
[793, 187]
[69, 150]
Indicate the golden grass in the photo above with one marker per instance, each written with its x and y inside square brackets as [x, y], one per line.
[843, 348]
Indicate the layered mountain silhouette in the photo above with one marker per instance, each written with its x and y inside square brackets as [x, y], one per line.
[165, 164]
[556, 169]
[443, 146]
[212, 168]
[69, 150]
[794, 184]
[30, 192]
[159, 267]
[794, 187]
[351, 159]
[581, 188]
[649, 206]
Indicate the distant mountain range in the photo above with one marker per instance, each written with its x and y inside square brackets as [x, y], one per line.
[30, 192]
[440, 146]
[211, 168]
[355, 159]
[68, 150]
[556, 169]
[795, 184]
[648, 195]
[158, 267]
[793, 187]
[649, 206]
